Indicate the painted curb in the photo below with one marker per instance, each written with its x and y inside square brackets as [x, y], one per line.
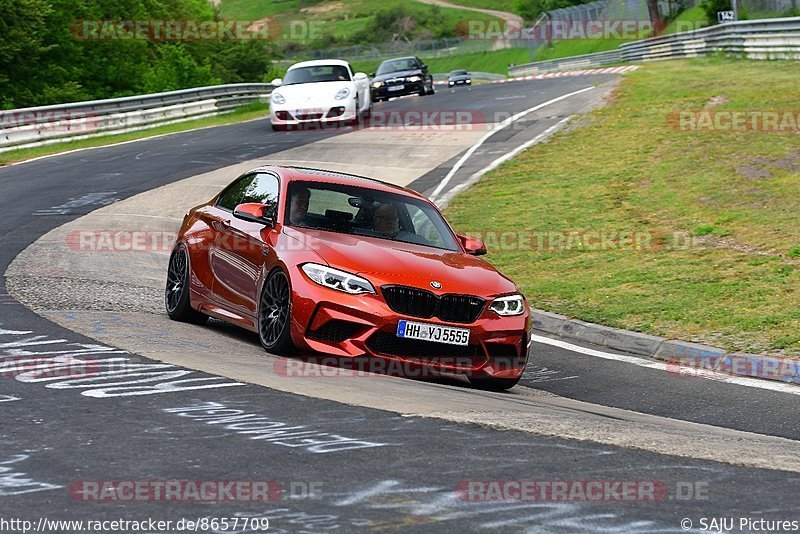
[687, 357]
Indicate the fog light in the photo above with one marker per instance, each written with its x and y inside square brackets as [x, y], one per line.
[335, 112]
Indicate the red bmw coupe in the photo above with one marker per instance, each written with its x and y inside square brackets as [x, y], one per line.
[348, 266]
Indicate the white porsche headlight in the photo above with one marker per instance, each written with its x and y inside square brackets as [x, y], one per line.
[413, 79]
[336, 279]
[510, 305]
[343, 93]
[278, 98]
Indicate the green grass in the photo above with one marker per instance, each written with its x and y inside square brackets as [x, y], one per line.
[341, 18]
[690, 19]
[718, 210]
[497, 5]
[562, 49]
[489, 61]
[251, 111]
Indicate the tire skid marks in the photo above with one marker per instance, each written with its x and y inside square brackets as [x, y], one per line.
[31, 359]
[14, 482]
[264, 428]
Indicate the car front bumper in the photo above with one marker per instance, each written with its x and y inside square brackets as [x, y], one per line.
[335, 113]
[409, 88]
[352, 326]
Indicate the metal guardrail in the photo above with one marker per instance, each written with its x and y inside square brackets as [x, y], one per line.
[751, 39]
[29, 127]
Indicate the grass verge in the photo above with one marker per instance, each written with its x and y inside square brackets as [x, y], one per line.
[251, 111]
[715, 211]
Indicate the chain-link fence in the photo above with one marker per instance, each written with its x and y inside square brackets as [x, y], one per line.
[429, 49]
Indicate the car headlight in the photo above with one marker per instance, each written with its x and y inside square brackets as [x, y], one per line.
[278, 98]
[450, 83]
[510, 305]
[343, 93]
[376, 85]
[336, 279]
[413, 79]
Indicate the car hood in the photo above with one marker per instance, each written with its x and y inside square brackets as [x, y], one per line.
[303, 93]
[459, 77]
[391, 262]
[398, 74]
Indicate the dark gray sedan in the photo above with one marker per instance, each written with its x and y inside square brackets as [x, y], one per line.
[459, 77]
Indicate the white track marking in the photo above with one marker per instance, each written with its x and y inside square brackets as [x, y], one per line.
[491, 132]
[780, 387]
[499, 161]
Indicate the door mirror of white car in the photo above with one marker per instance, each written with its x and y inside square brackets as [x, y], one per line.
[276, 81]
[359, 76]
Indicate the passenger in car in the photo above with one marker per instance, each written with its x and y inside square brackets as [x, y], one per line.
[298, 205]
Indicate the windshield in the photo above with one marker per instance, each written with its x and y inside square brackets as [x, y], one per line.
[361, 211]
[458, 73]
[320, 73]
[395, 65]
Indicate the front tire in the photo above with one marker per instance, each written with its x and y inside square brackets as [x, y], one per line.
[275, 314]
[489, 383]
[176, 294]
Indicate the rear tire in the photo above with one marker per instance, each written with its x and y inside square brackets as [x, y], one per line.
[176, 294]
[275, 314]
[489, 383]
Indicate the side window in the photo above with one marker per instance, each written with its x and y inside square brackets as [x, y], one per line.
[232, 195]
[264, 190]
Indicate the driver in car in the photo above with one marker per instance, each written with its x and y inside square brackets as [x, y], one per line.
[386, 222]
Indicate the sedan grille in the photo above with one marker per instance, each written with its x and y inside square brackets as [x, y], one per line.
[421, 303]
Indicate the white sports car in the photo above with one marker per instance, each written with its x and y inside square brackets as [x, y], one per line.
[322, 91]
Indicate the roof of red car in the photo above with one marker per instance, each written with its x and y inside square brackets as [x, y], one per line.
[336, 177]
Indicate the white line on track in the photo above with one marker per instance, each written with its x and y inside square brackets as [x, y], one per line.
[444, 199]
[491, 132]
[780, 387]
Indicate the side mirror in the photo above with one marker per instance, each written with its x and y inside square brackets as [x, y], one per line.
[276, 82]
[359, 76]
[423, 66]
[371, 74]
[253, 212]
[472, 245]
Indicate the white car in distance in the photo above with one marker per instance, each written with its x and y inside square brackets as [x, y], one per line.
[324, 91]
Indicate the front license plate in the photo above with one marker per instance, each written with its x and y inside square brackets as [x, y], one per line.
[433, 332]
[397, 87]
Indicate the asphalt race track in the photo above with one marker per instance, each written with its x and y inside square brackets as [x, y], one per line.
[364, 454]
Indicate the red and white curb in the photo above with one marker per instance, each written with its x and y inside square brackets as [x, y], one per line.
[585, 72]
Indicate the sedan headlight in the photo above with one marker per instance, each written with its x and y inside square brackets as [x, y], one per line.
[510, 305]
[336, 279]
[376, 85]
[278, 98]
[343, 93]
[413, 79]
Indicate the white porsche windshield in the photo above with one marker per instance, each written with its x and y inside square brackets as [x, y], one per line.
[319, 73]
